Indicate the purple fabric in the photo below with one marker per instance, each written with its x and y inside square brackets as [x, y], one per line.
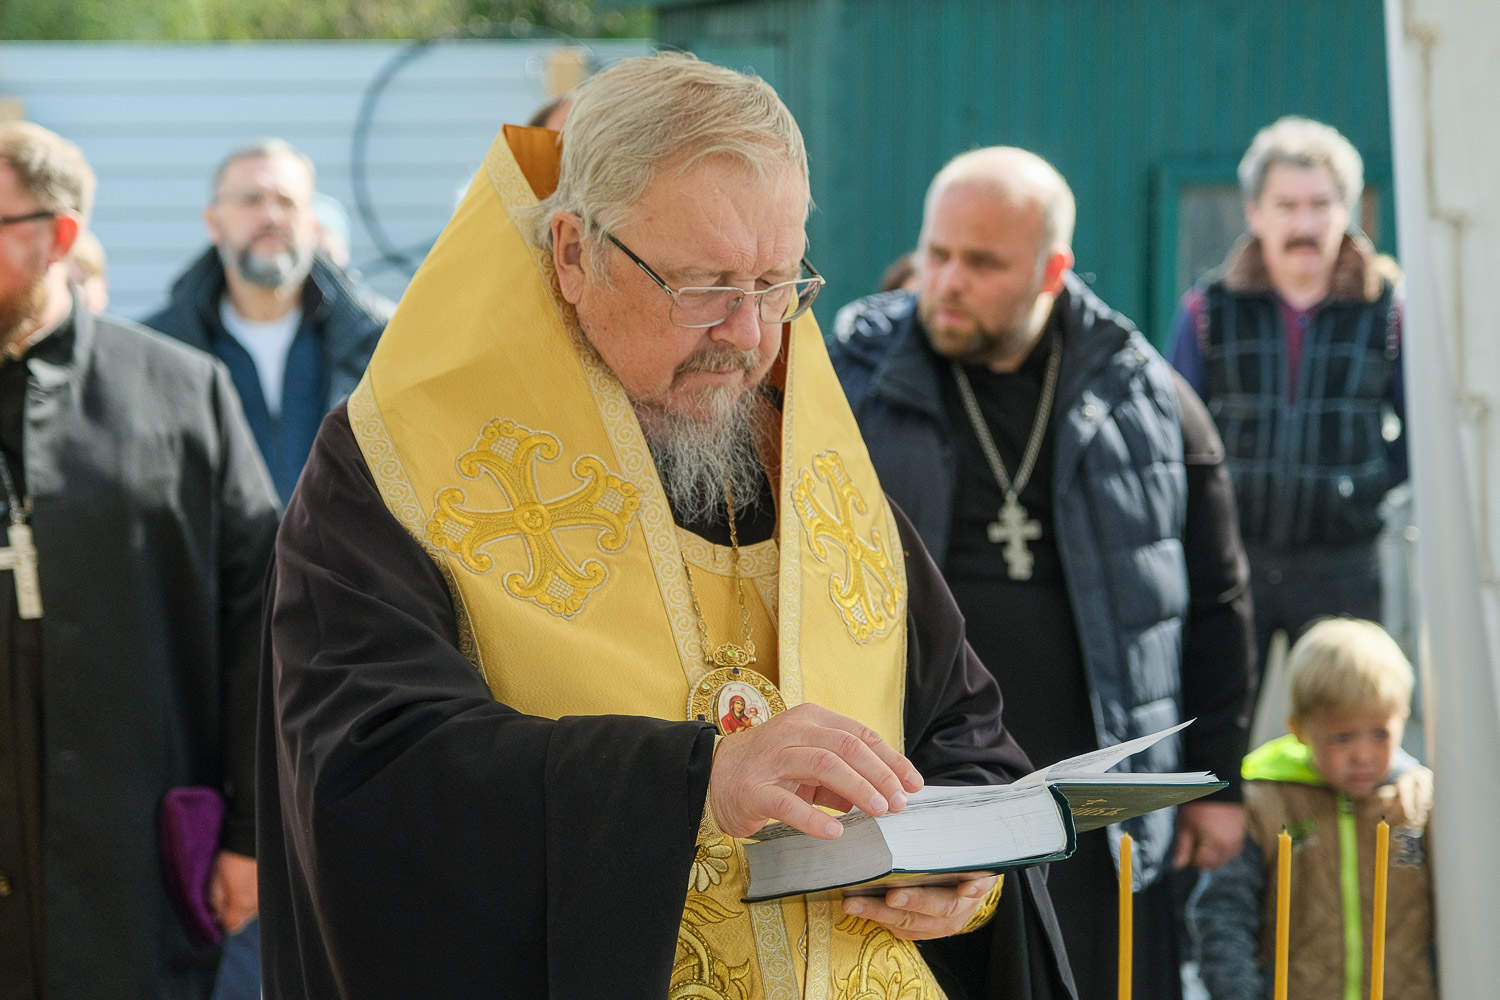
[1183, 342]
[191, 819]
[1294, 322]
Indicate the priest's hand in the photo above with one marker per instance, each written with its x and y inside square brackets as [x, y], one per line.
[1209, 834]
[232, 891]
[803, 758]
[922, 913]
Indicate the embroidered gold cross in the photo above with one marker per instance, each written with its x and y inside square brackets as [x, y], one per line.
[507, 452]
[868, 563]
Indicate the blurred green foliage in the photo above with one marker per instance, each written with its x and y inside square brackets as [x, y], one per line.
[288, 20]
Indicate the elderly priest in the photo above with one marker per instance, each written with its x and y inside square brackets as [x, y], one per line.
[592, 578]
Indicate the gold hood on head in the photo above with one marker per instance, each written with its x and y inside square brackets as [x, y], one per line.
[514, 456]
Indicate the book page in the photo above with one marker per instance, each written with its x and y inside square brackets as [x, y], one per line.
[1001, 823]
[1100, 760]
[1135, 778]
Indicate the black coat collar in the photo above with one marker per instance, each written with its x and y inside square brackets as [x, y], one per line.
[910, 374]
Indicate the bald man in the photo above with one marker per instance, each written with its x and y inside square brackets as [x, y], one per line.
[1072, 489]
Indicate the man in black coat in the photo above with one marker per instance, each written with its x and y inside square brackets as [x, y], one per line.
[1073, 493]
[128, 623]
[293, 328]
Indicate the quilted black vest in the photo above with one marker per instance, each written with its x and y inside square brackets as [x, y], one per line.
[1312, 470]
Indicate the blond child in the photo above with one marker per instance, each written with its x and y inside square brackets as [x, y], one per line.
[1328, 784]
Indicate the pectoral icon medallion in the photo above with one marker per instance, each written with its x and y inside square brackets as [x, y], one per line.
[734, 699]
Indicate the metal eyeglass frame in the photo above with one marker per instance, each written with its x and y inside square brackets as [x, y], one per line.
[802, 305]
[10, 220]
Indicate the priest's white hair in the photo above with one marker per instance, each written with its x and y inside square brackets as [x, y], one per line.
[650, 112]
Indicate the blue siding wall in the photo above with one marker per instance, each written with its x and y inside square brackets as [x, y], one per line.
[154, 120]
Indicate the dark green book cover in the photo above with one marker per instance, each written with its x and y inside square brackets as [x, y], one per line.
[1096, 805]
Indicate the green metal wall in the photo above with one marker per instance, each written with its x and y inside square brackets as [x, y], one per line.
[1129, 98]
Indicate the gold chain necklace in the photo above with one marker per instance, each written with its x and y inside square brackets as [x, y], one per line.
[726, 654]
[731, 695]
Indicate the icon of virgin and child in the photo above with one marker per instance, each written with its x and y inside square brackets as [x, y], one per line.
[742, 707]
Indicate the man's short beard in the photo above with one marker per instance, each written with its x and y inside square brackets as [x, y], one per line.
[698, 458]
[21, 313]
[282, 270]
[989, 344]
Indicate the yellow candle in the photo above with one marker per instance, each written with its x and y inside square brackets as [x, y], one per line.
[1283, 908]
[1127, 930]
[1377, 929]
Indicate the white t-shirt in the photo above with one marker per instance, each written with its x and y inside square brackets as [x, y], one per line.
[268, 344]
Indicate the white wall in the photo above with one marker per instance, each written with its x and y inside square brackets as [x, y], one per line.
[1444, 71]
[154, 120]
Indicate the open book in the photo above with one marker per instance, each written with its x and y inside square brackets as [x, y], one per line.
[948, 834]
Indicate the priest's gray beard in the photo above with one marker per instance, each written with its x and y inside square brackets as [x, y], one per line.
[697, 459]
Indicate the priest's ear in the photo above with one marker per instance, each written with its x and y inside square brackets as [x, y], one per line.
[568, 256]
[1058, 261]
[65, 229]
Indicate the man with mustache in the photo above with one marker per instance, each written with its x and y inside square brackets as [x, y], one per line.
[1071, 489]
[293, 328]
[1295, 345]
[599, 479]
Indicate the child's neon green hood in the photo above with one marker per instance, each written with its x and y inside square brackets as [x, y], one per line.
[1285, 758]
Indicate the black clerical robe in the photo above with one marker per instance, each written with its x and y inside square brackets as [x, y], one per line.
[417, 838]
[154, 519]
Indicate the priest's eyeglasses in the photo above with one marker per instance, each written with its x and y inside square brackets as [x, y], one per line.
[10, 220]
[705, 306]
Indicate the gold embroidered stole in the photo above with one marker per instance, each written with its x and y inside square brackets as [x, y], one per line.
[515, 458]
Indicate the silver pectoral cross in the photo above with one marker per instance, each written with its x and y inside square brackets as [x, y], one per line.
[20, 559]
[1014, 530]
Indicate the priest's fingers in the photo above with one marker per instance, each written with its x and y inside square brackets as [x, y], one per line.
[852, 740]
[895, 761]
[805, 746]
[785, 806]
[863, 749]
[824, 798]
[834, 747]
[856, 782]
[920, 913]
[765, 786]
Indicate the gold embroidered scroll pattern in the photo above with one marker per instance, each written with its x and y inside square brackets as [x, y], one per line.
[869, 593]
[507, 453]
[887, 968]
[699, 973]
